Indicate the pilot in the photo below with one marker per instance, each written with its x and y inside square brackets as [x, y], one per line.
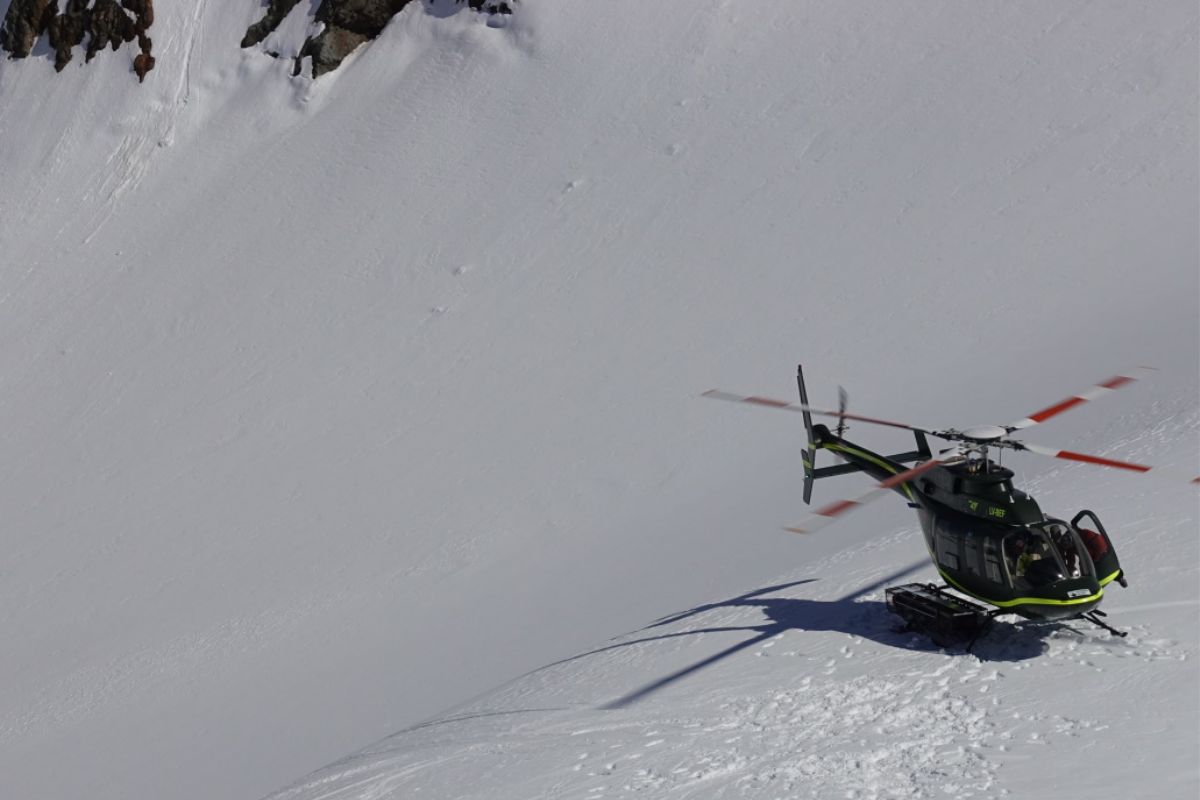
[1025, 551]
[1062, 540]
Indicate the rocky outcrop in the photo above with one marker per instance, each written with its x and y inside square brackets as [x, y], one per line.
[24, 24]
[346, 25]
[105, 23]
[110, 26]
[143, 15]
[276, 11]
[67, 30]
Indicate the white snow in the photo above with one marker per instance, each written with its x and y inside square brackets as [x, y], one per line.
[330, 405]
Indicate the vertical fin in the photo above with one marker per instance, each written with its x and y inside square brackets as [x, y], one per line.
[810, 453]
[923, 446]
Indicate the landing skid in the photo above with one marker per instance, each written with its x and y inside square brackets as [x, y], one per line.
[1094, 618]
[949, 620]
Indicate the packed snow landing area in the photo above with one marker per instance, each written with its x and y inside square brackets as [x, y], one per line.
[330, 405]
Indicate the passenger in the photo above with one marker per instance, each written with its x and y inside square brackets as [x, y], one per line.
[1066, 547]
[1094, 542]
[1097, 547]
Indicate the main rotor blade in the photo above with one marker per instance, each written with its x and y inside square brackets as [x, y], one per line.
[827, 514]
[783, 405]
[1091, 393]
[1084, 458]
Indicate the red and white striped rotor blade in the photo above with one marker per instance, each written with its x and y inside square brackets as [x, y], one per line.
[827, 514]
[1129, 466]
[1091, 393]
[783, 405]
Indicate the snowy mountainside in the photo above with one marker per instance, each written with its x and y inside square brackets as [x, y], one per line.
[329, 404]
[807, 687]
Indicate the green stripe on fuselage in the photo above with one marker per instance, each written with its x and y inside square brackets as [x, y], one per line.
[1020, 601]
[879, 462]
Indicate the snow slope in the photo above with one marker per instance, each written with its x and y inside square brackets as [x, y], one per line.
[329, 405]
[806, 687]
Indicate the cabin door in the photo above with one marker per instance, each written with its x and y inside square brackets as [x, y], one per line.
[1098, 545]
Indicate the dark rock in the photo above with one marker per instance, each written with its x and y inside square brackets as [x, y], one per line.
[24, 24]
[67, 30]
[276, 11]
[110, 26]
[329, 49]
[143, 10]
[105, 24]
[366, 17]
[142, 63]
[348, 23]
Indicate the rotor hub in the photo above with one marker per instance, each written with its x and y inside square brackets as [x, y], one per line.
[984, 433]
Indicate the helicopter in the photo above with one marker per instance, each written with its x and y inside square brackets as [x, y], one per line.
[988, 540]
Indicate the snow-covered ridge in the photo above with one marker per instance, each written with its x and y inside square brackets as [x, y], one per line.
[339, 27]
[328, 404]
[336, 28]
[103, 23]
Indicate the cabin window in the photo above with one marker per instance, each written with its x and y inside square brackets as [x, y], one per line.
[1032, 559]
[1070, 548]
[947, 549]
[991, 563]
[973, 554]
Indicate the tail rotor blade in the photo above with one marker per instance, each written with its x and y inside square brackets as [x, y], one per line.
[1091, 393]
[827, 514]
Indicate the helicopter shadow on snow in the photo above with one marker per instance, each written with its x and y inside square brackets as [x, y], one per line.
[851, 615]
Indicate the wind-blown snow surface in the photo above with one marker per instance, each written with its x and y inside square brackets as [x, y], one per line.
[328, 405]
[807, 687]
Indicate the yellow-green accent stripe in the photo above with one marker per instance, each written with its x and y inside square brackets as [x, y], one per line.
[1019, 601]
[1040, 601]
[876, 461]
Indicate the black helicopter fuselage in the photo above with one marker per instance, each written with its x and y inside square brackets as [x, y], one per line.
[990, 540]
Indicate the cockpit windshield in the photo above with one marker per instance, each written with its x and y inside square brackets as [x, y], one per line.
[1044, 553]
